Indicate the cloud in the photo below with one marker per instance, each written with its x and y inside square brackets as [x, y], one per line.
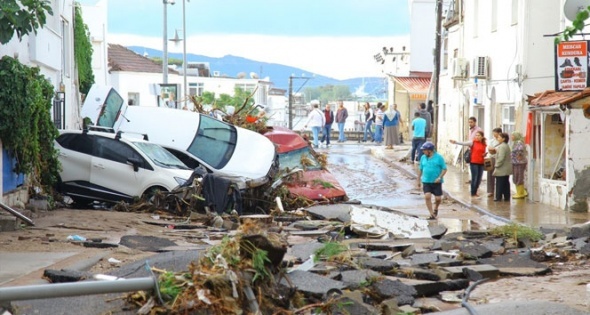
[336, 57]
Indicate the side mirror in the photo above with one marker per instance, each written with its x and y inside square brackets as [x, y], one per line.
[135, 162]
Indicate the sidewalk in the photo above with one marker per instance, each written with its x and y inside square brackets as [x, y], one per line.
[517, 210]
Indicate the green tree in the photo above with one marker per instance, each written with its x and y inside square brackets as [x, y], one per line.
[83, 51]
[576, 27]
[327, 93]
[22, 17]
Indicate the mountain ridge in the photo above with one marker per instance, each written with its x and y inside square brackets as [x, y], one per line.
[231, 66]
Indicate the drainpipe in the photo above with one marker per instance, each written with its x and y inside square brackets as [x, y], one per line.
[44, 291]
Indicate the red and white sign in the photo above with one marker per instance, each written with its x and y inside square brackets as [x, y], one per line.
[571, 66]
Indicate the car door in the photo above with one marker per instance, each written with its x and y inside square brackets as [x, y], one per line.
[75, 156]
[113, 173]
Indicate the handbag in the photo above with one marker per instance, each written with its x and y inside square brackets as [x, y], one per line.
[467, 155]
[487, 164]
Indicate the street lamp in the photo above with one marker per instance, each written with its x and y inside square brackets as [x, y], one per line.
[165, 48]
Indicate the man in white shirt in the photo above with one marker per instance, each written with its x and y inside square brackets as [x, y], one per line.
[316, 120]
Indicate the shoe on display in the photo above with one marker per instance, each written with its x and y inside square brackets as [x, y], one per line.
[577, 62]
[566, 63]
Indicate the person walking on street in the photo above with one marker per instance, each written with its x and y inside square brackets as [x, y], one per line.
[327, 129]
[391, 126]
[519, 158]
[478, 152]
[379, 116]
[491, 181]
[341, 115]
[369, 119]
[503, 168]
[431, 177]
[473, 129]
[426, 115]
[418, 136]
[316, 120]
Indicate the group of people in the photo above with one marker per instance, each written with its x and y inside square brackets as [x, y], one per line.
[506, 153]
[387, 120]
[321, 121]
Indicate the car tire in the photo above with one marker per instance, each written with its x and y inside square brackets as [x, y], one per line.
[150, 193]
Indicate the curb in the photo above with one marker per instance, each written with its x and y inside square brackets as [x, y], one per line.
[377, 152]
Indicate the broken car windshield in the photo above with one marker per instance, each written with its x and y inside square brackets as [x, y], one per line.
[214, 142]
[160, 156]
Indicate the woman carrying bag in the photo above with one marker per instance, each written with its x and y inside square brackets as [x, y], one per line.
[478, 151]
[519, 159]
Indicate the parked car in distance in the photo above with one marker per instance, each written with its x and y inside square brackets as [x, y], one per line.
[314, 182]
[109, 167]
[246, 157]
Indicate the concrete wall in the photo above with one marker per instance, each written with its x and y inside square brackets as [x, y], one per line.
[578, 163]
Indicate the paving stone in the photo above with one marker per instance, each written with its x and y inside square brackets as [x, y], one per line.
[436, 245]
[409, 251]
[449, 245]
[418, 273]
[339, 212]
[516, 265]
[445, 262]
[390, 307]
[64, 275]
[352, 303]
[580, 230]
[393, 246]
[585, 250]
[354, 279]
[303, 251]
[437, 231]
[424, 259]
[435, 287]
[311, 284]
[386, 289]
[487, 271]
[313, 224]
[472, 251]
[495, 245]
[7, 223]
[379, 265]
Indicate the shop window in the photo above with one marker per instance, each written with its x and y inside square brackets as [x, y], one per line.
[508, 118]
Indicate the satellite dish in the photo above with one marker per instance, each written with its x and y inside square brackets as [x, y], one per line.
[241, 75]
[571, 8]
[253, 75]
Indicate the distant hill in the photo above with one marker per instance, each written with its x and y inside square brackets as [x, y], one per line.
[374, 87]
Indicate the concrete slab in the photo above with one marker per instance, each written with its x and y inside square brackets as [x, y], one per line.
[14, 265]
[377, 222]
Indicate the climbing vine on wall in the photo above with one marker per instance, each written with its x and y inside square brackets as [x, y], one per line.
[26, 127]
[83, 51]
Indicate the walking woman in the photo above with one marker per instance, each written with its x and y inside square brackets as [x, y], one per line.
[519, 159]
[491, 182]
[478, 152]
[391, 126]
[503, 168]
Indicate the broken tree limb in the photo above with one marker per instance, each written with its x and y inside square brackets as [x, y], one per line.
[17, 214]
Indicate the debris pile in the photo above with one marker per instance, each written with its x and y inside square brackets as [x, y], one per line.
[319, 264]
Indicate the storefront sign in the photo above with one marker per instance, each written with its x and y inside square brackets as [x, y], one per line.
[571, 66]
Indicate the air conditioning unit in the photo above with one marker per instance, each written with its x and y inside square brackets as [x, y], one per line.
[458, 68]
[480, 67]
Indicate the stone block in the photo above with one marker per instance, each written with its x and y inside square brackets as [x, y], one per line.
[487, 271]
[580, 230]
[7, 223]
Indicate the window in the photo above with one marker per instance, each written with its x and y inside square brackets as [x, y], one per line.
[77, 142]
[214, 142]
[114, 150]
[248, 87]
[196, 89]
[445, 52]
[132, 98]
[110, 110]
[514, 12]
[65, 48]
[494, 21]
[508, 113]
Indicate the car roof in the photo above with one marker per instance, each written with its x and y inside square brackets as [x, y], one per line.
[129, 136]
[285, 139]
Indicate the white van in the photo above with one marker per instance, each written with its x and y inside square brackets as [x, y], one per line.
[245, 156]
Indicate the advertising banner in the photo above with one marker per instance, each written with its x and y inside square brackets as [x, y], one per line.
[571, 66]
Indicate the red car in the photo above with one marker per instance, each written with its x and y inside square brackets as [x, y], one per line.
[314, 182]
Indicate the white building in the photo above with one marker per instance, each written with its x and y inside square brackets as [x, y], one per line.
[52, 50]
[495, 55]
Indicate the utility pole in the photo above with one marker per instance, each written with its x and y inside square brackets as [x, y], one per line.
[436, 74]
[290, 113]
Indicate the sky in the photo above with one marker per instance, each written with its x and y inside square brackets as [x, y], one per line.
[334, 38]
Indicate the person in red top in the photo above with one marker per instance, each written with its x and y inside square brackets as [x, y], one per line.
[478, 151]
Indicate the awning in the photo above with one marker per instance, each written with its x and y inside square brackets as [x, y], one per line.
[550, 97]
[417, 87]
